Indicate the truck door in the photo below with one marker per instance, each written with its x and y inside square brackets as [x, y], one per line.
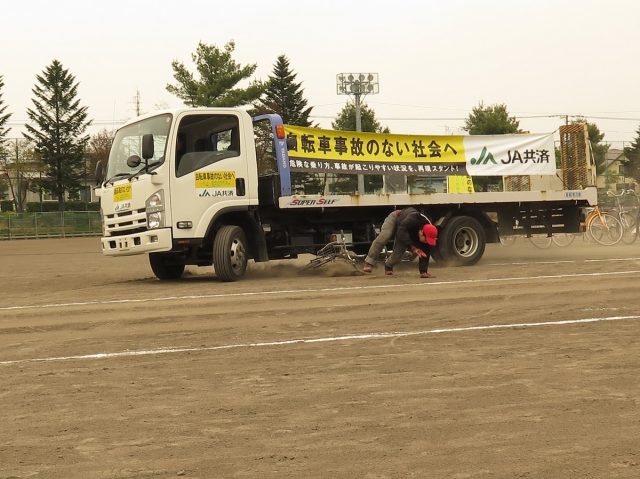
[209, 171]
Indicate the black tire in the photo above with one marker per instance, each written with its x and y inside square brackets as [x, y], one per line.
[230, 253]
[462, 241]
[166, 266]
[436, 255]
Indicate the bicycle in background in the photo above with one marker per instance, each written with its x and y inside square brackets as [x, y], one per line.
[603, 227]
[637, 209]
[627, 219]
[542, 241]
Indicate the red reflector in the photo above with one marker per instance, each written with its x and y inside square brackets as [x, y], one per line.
[182, 241]
[280, 132]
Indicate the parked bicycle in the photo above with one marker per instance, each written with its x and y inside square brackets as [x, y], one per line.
[634, 213]
[540, 241]
[627, 219]
[637, 211]
[603, 227]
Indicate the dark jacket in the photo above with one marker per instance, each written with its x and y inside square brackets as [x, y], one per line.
[409, 222]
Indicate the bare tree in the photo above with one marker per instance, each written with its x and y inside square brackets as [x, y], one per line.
[4, 130]
[21, 168]
[99, 148]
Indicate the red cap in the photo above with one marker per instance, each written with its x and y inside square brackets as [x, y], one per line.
[430, 234]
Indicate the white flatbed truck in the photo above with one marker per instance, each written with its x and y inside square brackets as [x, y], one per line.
[184, 186]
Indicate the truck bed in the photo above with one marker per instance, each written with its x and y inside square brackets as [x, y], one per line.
[587, 196]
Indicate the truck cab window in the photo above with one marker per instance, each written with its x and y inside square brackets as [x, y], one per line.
[128, 142]
[207, 140]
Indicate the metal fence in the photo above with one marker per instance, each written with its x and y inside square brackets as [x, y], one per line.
[50, 225]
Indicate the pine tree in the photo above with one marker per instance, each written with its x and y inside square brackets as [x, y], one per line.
[218, 76]
[4, 130]
[284, 96]
[59, 132]
[4, 119]
[598, 148]
[632, 153]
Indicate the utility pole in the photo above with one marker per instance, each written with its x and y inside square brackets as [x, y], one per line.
[136, 100]
[358, 85]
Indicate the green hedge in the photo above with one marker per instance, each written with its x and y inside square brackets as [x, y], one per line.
[48, 206]
[35, 206]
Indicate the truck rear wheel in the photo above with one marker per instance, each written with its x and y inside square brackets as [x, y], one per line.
[462, 242]
[165, 266]
[230, 253]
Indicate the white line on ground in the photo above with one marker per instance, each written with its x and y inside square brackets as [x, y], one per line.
[610, 259]
[350, 337]
[532, 262]
[564, 261]
[316, 290]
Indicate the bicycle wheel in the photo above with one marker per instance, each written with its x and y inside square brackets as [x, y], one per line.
[507, 240]
[629, 227]
[563, 239]
[542, 242]
[606, 229]
[586, 236]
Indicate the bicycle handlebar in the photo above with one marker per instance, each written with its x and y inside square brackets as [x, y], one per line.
[611, 193]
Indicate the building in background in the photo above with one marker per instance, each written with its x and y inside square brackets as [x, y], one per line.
[614, 175]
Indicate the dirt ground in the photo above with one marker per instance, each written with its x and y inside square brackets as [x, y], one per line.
[523, 366]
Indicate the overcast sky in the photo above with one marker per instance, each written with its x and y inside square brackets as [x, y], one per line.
[436, 59]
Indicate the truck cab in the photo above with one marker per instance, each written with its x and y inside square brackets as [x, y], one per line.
[173, 180]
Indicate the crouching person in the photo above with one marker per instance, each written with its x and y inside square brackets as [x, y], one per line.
[412, 231]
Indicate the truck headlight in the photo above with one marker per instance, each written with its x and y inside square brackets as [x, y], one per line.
[154, 220]
[154, 206]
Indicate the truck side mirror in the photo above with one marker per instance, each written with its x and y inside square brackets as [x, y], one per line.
[147, 146]
[133, 161]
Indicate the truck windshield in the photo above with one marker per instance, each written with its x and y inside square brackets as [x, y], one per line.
[128, 142]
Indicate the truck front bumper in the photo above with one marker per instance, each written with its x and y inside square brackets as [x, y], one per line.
[137, 243]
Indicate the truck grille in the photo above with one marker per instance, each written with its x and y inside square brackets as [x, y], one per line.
[126, 222]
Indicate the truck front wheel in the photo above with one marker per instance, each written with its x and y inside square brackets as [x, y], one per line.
[230, 253]
[462, 242]
[165, 266]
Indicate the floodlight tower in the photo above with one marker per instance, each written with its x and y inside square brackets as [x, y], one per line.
[358, 85]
